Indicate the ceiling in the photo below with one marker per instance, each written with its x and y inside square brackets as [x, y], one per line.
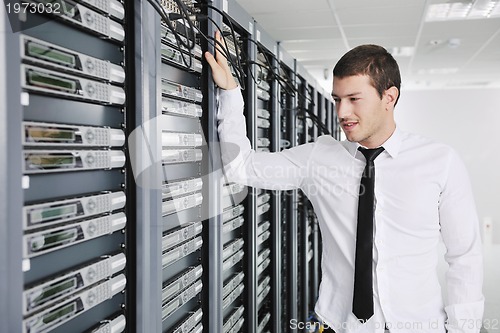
[446, 54]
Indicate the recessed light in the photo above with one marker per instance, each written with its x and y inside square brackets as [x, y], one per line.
[402, 51]
[478, 9]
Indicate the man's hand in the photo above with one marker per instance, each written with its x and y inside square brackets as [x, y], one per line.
[220, 69]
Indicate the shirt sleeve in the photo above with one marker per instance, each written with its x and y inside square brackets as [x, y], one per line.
[285, 170]
[461, 235]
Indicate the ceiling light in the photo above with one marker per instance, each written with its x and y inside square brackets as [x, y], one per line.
[454, 42]
[477, 9]
[402, 51]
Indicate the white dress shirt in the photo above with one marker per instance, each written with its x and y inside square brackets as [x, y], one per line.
[422, 194]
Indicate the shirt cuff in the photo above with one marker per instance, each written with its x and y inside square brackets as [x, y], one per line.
[230, 102]
[465, 318]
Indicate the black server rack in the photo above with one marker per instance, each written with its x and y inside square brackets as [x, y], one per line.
[232, 254]
[254, 309]
[304, 135]
[237, 253]
[264, 140]
[184, 164]
[77, 201]
[287, 95]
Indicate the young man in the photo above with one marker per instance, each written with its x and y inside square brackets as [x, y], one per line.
[381, 216]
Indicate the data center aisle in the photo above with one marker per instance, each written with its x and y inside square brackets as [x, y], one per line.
[124, 221]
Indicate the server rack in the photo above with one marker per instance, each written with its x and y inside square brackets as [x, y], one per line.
[228, 254]
[74, 115]
[304, 135]
[11, 194]
[287, 110]
[238, 277]
[184, 166]
[176, 234]
[266, 141]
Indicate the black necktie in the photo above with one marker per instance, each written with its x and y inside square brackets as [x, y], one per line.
[362, 305]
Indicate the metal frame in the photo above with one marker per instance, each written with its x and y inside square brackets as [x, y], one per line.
[11, 193]
[215, 276]
[148, 209]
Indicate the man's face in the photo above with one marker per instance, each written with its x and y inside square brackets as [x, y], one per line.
[362, 113]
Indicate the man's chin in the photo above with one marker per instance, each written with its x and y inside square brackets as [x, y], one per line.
[352, 138]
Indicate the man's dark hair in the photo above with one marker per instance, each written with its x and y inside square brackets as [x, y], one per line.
[371, 60]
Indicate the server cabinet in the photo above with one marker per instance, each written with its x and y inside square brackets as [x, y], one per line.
[73, 79]
[242, 314]
[184, 168]
[265, 141]
[286, 94]
[305, 134]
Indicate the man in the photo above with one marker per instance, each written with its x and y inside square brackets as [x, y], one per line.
[419, 193]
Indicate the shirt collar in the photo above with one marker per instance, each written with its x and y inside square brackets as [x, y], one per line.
[392, 145]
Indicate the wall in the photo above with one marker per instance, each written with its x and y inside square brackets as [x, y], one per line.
[469, 121]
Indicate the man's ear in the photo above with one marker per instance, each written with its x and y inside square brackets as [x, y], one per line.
[391, 95]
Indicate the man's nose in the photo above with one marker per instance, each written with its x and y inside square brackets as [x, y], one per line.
[343, 110]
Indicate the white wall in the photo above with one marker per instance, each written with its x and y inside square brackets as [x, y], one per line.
[469, 121]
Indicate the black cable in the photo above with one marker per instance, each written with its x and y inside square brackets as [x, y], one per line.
[239, 72]
[247, 61]
[251, 62]
[224, 51]
[180, 42]
[233, 31]
[264, 53]
[185, 13]
[287, 83]
[282, 82]
[321, 126]
[305, 96]
[164, 16]
[257, 81]
[302, 111]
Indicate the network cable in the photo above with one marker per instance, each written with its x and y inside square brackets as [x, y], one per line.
[240, 73]
[308, 114]
[222, 47]
[190, 35]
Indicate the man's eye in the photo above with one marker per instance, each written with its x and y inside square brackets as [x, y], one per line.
[354, 99]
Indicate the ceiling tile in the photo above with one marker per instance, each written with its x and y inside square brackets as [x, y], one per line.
[310, 32]
[398, 13]
[294, 19]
